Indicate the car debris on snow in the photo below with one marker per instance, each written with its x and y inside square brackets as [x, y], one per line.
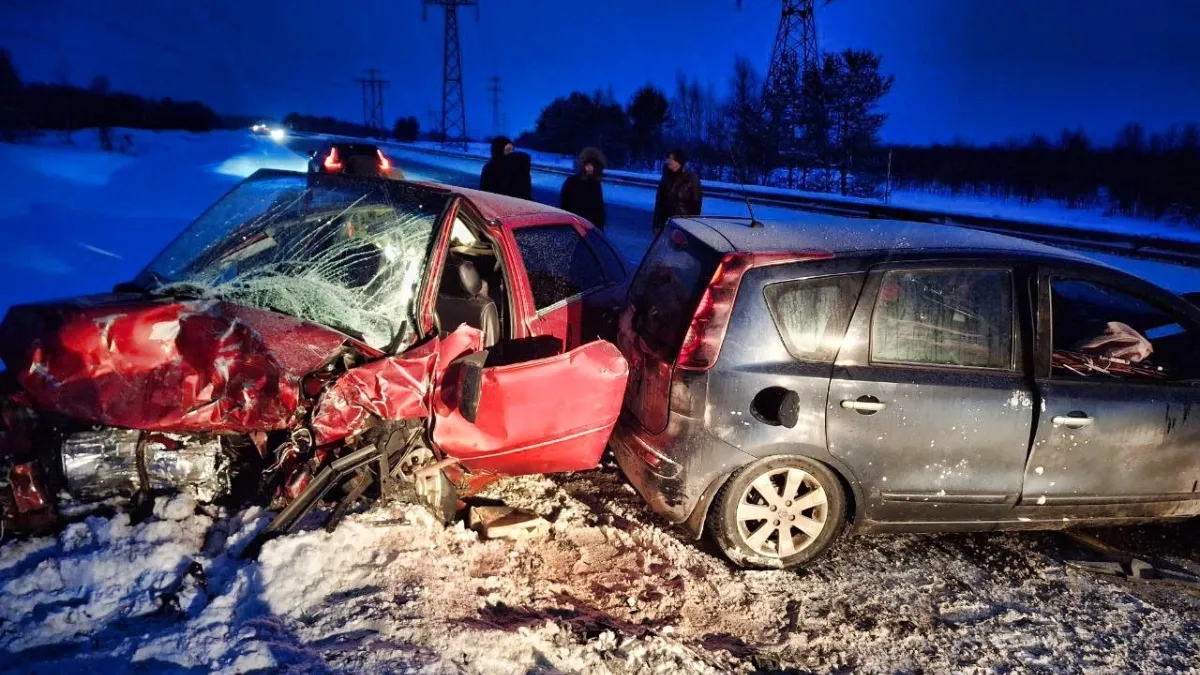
[505, 522]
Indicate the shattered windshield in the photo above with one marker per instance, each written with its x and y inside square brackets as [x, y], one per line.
[345, 254]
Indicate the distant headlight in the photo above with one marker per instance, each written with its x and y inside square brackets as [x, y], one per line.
[278, 134]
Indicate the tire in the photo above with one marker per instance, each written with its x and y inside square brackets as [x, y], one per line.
[749, 541]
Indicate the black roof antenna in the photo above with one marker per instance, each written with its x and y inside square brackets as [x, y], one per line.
[755, 223]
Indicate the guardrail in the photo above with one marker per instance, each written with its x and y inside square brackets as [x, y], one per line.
[1147, 246]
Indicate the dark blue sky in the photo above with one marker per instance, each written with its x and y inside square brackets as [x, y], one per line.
[980, 70]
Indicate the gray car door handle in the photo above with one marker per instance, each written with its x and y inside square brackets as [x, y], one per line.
[864, 406]
[1072, 422]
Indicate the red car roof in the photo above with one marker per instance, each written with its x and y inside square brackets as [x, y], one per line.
[510, 211]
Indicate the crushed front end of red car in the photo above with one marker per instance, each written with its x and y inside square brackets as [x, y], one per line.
[278, 357]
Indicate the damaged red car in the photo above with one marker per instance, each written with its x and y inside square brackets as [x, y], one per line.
[315, 338]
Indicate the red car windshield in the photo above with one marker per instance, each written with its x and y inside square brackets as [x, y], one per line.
[346, 254]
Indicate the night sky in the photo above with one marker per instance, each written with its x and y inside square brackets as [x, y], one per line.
[977, 70]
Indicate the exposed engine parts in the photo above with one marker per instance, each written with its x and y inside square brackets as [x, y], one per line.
[99, 464]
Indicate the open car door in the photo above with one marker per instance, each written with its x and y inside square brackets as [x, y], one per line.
[542, 415]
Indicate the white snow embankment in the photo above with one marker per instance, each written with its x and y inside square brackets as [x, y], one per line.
[609, 590]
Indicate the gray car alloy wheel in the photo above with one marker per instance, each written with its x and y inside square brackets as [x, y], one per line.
[782, 512]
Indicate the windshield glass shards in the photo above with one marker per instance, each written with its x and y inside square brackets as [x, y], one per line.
[346, 254]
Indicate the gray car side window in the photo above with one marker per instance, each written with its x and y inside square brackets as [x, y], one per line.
[944, 317]
[1099, 331]
[811, 315]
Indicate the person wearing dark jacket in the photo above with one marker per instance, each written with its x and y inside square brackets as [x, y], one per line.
[679, 191]
[508, 172]
[520, 175]
[492, 178]
[582, 193]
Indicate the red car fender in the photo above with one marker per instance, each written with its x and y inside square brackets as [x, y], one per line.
[391, 389]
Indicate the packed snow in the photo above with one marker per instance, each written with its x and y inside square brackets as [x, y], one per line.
[609, 589]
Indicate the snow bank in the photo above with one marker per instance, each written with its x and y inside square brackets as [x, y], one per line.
[609, 590]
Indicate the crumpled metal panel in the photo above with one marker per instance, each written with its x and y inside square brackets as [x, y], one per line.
[391, 389]
[545, 416]
[164, 365]
[28, 495]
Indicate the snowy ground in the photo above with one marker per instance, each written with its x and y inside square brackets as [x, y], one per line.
[76, 220]
[609, 590]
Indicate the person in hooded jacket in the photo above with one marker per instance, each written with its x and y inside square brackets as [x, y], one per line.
[679, 191]
[582, 192]
[492, 178]
[508, 172]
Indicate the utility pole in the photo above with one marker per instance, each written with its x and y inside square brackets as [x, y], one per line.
[454, 109]
[494, 90]
[372, 100]
[434, 116]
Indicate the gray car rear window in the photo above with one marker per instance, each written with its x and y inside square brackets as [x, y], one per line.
[811, 315]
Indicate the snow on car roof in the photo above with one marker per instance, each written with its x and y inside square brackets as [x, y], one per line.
[499, 207]
[849, 235]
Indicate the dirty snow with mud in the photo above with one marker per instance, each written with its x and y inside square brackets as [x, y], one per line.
[608, 590]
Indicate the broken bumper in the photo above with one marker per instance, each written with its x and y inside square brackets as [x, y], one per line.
[678, 470]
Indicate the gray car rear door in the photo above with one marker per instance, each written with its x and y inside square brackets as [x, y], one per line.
[929, 401]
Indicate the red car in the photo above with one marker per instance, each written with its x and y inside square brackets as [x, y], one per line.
[315, 332]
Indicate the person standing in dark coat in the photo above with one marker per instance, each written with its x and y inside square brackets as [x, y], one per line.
[508, 172]
[679, 192]
[582, 192]
[520, 172]
[493, 177]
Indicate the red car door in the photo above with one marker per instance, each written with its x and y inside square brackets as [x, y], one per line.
[576, 290]
[534, 416]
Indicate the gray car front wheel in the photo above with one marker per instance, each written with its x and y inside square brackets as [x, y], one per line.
[779, 512]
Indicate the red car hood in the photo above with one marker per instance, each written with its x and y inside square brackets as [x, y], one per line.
[165, 364]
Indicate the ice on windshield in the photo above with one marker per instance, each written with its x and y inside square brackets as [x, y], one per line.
[349, 256]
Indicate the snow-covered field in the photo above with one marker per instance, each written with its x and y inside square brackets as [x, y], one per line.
[609, 589]
[76, 220]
